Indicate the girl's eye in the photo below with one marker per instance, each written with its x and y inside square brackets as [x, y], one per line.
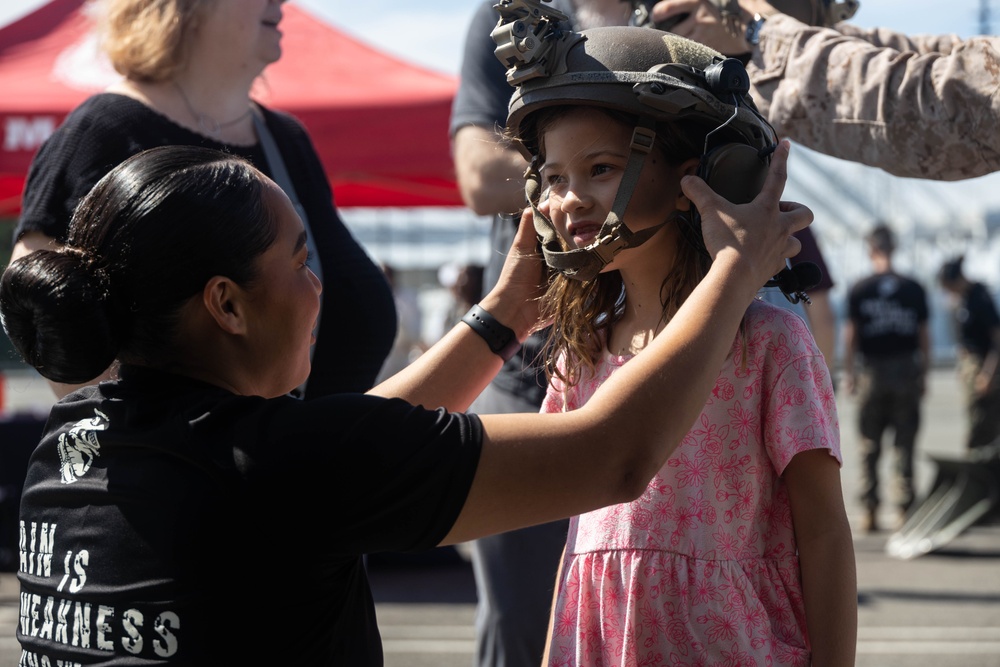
[552, 179]
[309, 257]
[602, 169]
[554, 185]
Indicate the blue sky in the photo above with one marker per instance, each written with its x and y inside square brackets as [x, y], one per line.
[431, 33]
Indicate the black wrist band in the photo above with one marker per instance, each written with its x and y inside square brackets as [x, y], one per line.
[501, 339]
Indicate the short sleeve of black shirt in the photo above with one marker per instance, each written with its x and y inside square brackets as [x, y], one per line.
[92, 140]
[483, 92]
[811, 253]
[390, 476]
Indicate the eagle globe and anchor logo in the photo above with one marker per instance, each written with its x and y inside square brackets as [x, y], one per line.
[79, 447]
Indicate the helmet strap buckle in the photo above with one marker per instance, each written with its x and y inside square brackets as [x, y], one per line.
[606, 247]
[642, 139]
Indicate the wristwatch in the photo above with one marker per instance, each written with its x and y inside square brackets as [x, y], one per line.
[752, 35]
[500, 338]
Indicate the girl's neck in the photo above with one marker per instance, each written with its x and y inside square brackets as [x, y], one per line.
[642, 278]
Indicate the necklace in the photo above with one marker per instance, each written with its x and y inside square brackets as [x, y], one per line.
[207, 124]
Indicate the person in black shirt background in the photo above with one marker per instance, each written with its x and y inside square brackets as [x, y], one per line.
[977, 329]
[886, 333]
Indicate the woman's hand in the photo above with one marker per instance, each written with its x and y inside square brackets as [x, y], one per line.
[757, 237]
[514, 299]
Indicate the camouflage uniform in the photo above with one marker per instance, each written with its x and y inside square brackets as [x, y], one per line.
[922, 107]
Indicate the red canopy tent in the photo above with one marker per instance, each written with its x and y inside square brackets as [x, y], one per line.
[380, 125]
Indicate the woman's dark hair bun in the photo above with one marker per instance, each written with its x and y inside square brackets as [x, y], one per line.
[57, 311]
[146, 239]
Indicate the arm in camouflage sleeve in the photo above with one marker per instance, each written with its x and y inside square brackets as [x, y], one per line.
[925, 107]
[914, 112]
[922, 44]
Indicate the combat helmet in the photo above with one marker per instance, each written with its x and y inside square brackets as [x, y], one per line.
[651, 75]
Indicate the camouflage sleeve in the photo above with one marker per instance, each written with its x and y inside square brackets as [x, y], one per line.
[943, 44]
[911, 111]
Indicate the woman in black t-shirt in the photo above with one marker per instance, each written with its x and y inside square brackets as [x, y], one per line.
[191, 513]
[188, 68]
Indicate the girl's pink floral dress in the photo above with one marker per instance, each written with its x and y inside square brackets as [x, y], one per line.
[702, 569]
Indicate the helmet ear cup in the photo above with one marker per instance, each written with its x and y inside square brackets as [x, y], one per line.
[735, 171]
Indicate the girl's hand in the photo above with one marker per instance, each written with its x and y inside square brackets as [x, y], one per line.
[756, 236]
[515, 298]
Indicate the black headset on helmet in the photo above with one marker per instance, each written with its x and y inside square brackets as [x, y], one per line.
[649, 74]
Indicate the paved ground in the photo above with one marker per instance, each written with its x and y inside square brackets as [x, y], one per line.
[939, 610]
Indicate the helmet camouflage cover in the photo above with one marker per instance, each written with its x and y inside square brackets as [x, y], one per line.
[639, 71]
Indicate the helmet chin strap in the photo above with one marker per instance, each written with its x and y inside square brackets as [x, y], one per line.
[584, 264]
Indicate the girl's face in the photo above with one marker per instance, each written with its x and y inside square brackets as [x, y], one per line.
[285, 301]
[244, 32]
[586, 152]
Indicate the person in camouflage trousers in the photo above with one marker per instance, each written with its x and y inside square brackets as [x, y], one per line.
[886, 339]
[922, 106]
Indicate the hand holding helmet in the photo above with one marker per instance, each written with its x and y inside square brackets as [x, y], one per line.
[749, 229]
[514, 299]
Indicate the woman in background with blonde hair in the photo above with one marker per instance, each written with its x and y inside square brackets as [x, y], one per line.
[188, 67]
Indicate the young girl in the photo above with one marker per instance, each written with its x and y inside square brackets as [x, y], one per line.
[739, 552]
